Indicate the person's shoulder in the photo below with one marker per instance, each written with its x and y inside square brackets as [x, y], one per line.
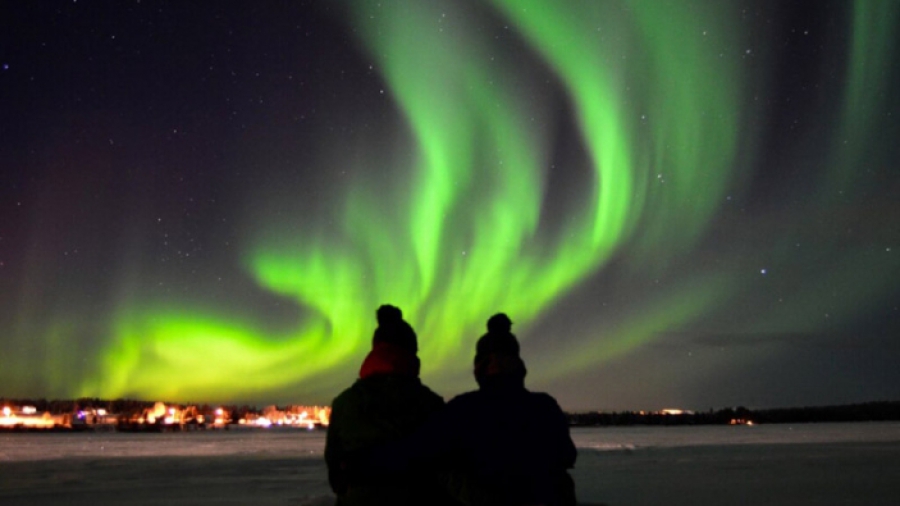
[543, 397]
[412, 391]
[465, 399]
[392, 385]
[429, 394]
[350, 394]
[544, 400]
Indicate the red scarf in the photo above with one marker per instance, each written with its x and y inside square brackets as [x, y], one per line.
[387, 358]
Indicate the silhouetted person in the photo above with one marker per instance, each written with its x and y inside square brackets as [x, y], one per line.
[504, 444]
[385, 404]
[518, 449]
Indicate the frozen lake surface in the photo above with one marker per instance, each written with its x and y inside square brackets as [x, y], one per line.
[821, 464]
[637, 437]
[299, 443]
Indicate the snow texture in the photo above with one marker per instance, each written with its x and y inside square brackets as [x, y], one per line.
[821, 464]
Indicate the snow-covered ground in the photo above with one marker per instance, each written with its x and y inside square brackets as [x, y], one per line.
[822, 464]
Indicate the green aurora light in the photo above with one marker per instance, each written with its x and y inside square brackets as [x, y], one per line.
[464, 231]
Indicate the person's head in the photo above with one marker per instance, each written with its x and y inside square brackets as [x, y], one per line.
[394, 346]
[497, 359]
[393, 329]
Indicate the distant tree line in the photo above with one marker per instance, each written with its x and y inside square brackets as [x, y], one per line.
[120, 407]
[867, 412]
[616, 418]
[870, 411]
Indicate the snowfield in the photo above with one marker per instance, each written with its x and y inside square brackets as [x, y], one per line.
[821, 464]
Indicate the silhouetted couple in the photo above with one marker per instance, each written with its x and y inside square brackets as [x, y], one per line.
[392, 441]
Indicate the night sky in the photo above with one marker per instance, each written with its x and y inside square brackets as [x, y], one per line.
[679, 204]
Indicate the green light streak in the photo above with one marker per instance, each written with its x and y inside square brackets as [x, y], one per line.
[857, 275]
[473, 240]
[657, 315]
[473, 237]
[181, 355]
[868, 69]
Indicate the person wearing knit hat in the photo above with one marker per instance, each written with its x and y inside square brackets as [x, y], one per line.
[516, 452]
[394, 346]
[497, 357]
[520, 450]
[392, 328]
[388, 402]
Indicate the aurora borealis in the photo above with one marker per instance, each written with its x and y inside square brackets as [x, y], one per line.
[688, 203]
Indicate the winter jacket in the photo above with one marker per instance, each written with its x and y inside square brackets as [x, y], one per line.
[507, 447]
[512, 446]
[378, 408]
